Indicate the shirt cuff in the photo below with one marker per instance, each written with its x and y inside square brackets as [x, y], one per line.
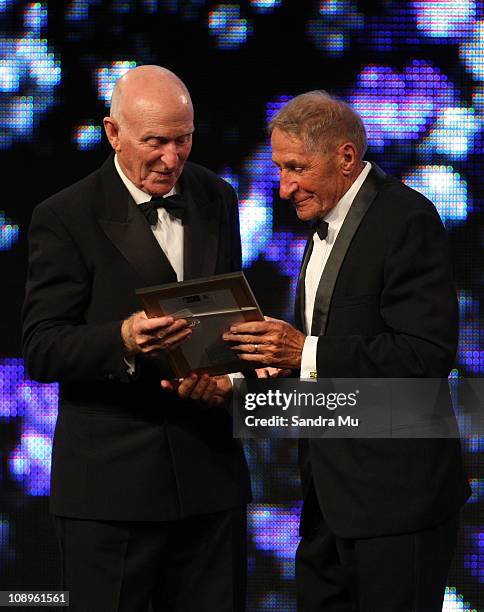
[308, 358]
[130, 365]
[234, 375]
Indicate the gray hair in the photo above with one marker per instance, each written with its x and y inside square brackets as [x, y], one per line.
[322, 122]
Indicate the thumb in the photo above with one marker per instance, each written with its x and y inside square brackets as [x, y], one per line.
[169, 385]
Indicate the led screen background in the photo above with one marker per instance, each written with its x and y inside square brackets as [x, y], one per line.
[412, 69]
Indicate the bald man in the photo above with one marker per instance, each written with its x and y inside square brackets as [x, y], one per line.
[149, 488]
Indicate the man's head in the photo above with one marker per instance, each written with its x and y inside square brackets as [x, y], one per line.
[318, 144]
[150, 127]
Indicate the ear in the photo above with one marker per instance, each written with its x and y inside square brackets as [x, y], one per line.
[348, 158]
[111, 127]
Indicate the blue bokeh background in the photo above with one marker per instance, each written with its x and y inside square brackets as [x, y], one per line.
[414, 71]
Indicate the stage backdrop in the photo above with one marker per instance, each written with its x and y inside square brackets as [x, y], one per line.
[413, 70]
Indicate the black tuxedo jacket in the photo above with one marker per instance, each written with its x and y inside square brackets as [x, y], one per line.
[385, 307]
[123, 448]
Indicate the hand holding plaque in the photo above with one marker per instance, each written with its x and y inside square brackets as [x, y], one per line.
[211, 306]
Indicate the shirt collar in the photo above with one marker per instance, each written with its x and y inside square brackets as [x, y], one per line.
[337, 215]
[138, 196]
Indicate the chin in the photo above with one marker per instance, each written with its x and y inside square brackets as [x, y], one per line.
[308, 215]
[160, 188]
[309, 211]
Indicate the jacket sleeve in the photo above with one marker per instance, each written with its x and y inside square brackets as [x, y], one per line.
[418, 307]
[58, 343]
[234, 224]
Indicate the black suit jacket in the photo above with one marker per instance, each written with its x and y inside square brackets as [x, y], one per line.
[385, 307]
[123, 448]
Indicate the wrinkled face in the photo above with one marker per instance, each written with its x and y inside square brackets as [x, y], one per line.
[152, 144]
[313, 181]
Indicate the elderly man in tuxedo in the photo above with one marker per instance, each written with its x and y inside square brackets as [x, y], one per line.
[375, 298]
[149, 488]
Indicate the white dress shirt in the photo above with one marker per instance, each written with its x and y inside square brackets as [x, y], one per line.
[168, 231]
[319, 257]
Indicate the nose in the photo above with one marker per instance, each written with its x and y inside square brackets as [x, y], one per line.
[287, 185]
[169, 156]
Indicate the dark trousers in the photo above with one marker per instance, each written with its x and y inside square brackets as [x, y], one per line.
[196, 564]
[401, 573]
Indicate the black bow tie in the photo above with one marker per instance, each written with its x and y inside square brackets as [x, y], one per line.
[321, 228]
[173, 204]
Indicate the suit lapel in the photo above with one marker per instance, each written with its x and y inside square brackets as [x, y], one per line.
[201, 225]
[359, 207]
[300, 302]
[129, 231]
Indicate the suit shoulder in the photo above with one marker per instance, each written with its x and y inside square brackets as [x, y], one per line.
[72, 198]
[400, 195]
[399, 201]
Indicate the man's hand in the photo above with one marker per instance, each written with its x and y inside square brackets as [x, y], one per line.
[270, 342]
[213, 391]
[150, 336]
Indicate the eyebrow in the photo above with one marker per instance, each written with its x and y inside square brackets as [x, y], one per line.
[288, 162]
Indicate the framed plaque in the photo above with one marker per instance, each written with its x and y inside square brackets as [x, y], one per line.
[210, 305]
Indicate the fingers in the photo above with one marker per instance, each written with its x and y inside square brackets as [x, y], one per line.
[171, 341]
[187, 385]
[204, 388]
[281, 345]
[256, 332]
[252, 327]
[197, 388]
[247, 339]
[273, 359]
[153, 346]
[277, 372]
[224, 385]
[258, 358]
[160, 327]
[248, 348]
[208, 394]
[258, 349]
[272, 372]
[262, 372]
[148, 336]
[141, 324]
